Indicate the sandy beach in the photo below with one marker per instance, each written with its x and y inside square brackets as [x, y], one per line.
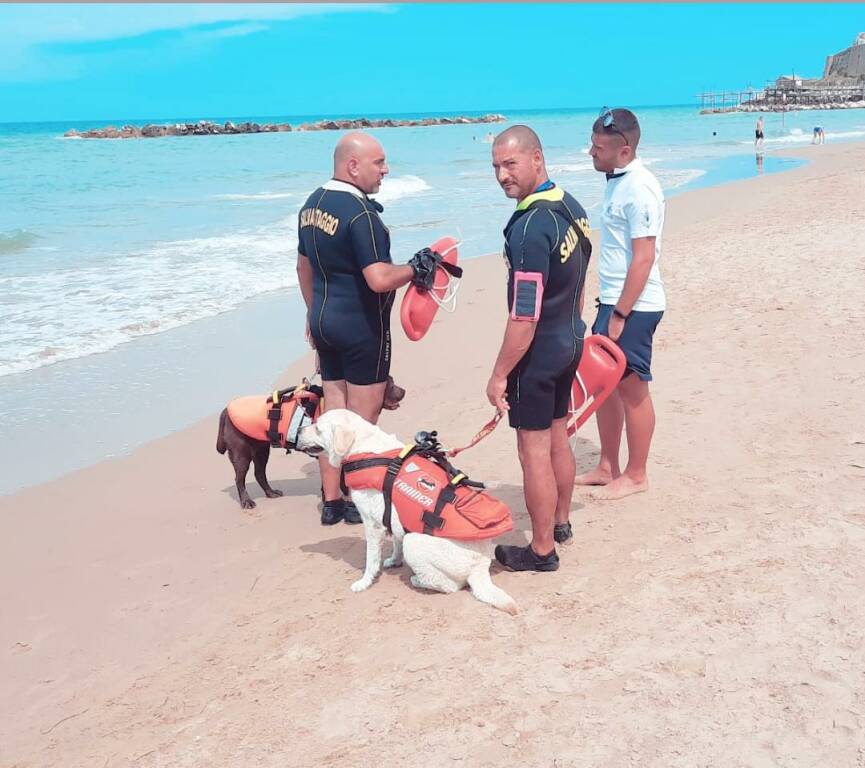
[716, 620]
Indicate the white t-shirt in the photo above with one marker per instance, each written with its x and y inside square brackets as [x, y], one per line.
[633, 207]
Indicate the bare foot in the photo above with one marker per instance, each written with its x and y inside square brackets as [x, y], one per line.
[619, 488]
[597, 476]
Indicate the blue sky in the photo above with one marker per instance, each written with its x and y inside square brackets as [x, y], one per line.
[96, 62]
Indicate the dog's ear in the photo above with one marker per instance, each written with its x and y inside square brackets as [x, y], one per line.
[343, 439]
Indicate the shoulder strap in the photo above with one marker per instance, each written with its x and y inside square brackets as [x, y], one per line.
[393, 468]
[356, 466]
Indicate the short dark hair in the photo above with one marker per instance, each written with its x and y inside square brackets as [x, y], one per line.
[624, 122]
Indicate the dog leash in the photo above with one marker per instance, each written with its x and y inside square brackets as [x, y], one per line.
[486, 430]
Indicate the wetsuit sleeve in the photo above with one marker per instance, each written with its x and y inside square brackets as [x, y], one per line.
[531, 242]
[644, 214]
[369, 239]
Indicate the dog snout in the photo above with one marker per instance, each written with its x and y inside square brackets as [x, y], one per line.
[307, 440]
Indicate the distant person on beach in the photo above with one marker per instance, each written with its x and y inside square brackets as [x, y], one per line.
[632, 299]
[758, 133]
[547, 251]
[819, 136]
[348, 282]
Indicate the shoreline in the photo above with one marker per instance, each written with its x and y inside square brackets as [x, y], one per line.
[97, 402]
[163, 626]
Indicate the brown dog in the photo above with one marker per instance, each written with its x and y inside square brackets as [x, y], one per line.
[244, 450]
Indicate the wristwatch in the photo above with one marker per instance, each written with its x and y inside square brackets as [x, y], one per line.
[618, 313]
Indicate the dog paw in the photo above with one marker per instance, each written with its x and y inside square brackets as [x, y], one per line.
[247, 504]
[361, 584]
[392, 562]
[273, 494]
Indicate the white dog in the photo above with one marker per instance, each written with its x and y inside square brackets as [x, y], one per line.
[439, 564]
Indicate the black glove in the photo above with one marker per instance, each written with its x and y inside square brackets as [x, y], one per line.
[424, 263]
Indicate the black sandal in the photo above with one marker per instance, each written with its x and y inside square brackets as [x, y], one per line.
[332, 511]
[526, 559]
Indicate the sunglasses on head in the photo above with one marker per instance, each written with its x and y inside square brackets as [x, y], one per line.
[608, 121]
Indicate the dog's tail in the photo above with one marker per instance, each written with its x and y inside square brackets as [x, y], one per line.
[484, 590]
[221, 447]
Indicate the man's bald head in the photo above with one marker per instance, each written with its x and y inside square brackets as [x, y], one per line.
[521, 137]
[354, 144]
[359, 159]
[518, 160]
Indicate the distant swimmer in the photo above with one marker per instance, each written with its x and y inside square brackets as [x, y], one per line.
[348, 282]
[547, 252]
[758, 133]
[632, 300]
[819, 136]
[489, 138]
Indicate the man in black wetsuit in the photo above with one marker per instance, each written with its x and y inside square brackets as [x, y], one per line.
[547, 251]
[348, 283]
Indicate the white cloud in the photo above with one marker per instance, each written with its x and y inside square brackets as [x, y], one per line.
[238, 30]
[26, 25]
[26, 29]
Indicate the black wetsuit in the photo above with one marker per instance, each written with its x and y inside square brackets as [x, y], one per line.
[548, 235]
[341, 233]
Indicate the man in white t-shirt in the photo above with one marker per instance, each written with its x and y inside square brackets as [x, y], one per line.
[632, 299]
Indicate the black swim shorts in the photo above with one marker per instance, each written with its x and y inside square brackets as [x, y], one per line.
[364, 359]
[537, 395]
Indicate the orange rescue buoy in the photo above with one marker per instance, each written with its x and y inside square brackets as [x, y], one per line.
[419, 307]
[598, 374]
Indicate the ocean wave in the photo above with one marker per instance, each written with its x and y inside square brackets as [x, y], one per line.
[259, 196]
[671, 178]
[418, 224]
[97, 307]
[798, 136]
[395, 188]
[584, 165]
[16, 240]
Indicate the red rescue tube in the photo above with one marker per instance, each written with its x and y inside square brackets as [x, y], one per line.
[418, 307]
[598, 374]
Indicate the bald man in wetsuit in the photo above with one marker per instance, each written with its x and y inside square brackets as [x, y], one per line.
[348, 284]
[547, 251]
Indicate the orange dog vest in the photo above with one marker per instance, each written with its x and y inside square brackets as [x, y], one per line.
[432, 497]
[278, 418]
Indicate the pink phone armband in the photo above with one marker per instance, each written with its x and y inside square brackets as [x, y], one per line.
[528, 293]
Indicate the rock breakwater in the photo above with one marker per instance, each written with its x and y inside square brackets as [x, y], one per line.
[208, 128]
